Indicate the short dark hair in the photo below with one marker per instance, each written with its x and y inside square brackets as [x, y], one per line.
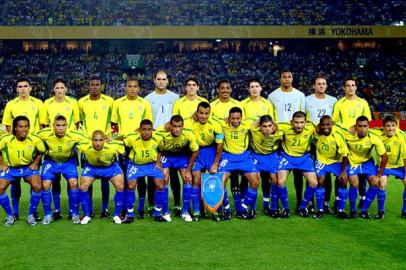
[146, 122]
[299, 114]
[60, 80]
[361, 119]
[325, 117]
[265, 118]
[222, 81]
[94, 77]
[284, 71]
[204, 105]
[255, 79]
[235, 110]
[18, 119]
[22, 79]
[191, 78]
[319, 77]
[131, 79]
[60, 117]
[350, 79]
[176, 119]
[390, 118]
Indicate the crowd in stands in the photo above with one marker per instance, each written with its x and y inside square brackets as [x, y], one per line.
[381, 76]
[205, 12]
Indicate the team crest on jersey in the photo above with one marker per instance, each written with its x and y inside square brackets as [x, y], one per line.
[243, 130]
[359, 106]
[395, 143]
[107, 156]
[33, 108]
[368, 144]
[139, 108]
[69, 144]
[332, 143]
[30, 147]
[67, 109]
[210, 130]
[306, 136]
[104, 108]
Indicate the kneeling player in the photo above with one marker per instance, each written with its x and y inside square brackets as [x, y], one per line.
[295, 155]
[332, 157]
[60, 159]
[101, 161]
[237, 157]
[21, 153]
[394, 141]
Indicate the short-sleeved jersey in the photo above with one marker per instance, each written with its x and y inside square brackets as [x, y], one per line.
[185, 107]
[287, 103]
[128, 114]
[395, 147]
[317, 107]
[31, 108]
[142, 152]
[262, 144]
[253, 110]
[103, 158]
[68, 108]
[346, 111]
[96, 114]
[296, 144]
[360, 149]
[206, 134]
[186, 141]
[60, 149]
[221, 110]
[162, 106]
[20, 153]
[332, 148]
[236, 140]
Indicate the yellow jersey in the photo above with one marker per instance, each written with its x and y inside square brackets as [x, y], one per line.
[20, 153]
[346, 112]
[128, 114]
[332, 148]
[206, 134]
[262, 144]
[253, 110]
[142, 152]
[60, 149]
[68, 108]
[31, 108]
[171, 144]
[236, 140]
[185, 107]
[297, 144]
[221, 110]
[395, 147]
[103, 158]
[96, 114]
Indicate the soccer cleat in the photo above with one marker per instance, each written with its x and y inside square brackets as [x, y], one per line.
[141, 214]
[92, 215]
[128, 220]
[403, 215]
[326, 209]
[178, 210]
[47, 219]
[274, 214]
[75, 219]
[196, 216]
[159, 219]
[226, 216]
[186, 217]
[303, 212]
[85, 220]
[380, 215]
[342, 215]
[16, 217]
[167, 217]
[56, 215]
[105, 214]
[151, 210]
[9, 221]
[123, 213]
[318, 215]
[243, 215]
[310, 207]
[285, 213]
[37, 218]
[364, 215]
[353, 213]
[253, 213]
[267, 211]
[31, 220]
[117, 220]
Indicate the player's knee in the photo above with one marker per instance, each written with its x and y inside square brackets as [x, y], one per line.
[36, 187]
[159, 185]
[132, 185]
[73, 184]
[46, 185]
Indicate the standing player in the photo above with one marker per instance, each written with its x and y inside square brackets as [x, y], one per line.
[142, 160]
[236, 157]
[209, 136]
[395, 144]
[95, 114]
[287, 100]
[60, 159]
[221, 106]
[162, 101]
[21, 153]
[28, 106]
[100, 161]
[296, 155]
[360, 146]
[179, 150]
[332, 157]
[264, 142]
[254, 107]
[317, 105]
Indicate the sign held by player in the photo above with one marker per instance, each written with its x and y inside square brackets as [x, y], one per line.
[212, 191]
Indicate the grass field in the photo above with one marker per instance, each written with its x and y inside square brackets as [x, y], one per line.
[263, 243]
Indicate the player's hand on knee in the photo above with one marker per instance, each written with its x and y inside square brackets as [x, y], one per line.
[214, 168]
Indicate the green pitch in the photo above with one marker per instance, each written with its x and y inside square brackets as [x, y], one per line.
[263, 243]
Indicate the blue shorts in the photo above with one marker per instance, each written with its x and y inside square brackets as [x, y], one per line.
[266, 163]
[51, 168]
[101, 172]
[323, 169]
[367, 168]
[177, 162]
[206, 158]
[303, 163]
[397, 172]
[141, 170]
[15, 173]
[237, 162]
